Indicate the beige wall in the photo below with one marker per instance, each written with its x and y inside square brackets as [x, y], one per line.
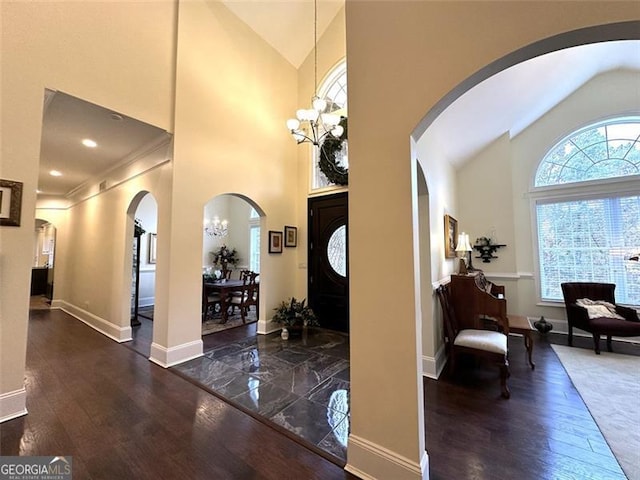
[502, 174]
[125, 63]
[232, 95]
[403, 58]
[236, 211]
[229, 139]
[331, 49]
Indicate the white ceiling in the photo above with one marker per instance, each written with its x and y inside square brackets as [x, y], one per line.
[513, 99]
[287, 25]
[506, 102]
[67, 121]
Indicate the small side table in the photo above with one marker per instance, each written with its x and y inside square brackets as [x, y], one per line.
[521, 325]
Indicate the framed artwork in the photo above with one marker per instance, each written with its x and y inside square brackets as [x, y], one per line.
[290, 236]
[450, 236]
[275, 242]
[10, 203]
[153, 247]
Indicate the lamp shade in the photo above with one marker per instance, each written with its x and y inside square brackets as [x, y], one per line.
[463, 243]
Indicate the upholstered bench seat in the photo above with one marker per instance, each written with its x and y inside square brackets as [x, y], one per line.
[615, 327]
[482, 340]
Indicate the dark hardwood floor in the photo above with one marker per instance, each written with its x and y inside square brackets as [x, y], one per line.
[543, 432]
[121, 416]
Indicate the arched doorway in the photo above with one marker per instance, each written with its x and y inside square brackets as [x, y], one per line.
[231, 243]
[143, 215]
[484, 168]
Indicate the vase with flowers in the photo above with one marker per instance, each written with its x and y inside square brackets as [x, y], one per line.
[223, 257]
[294, 315]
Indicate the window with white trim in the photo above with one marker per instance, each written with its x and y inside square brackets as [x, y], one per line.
[334, 89]
[587, 209]
[254, 241]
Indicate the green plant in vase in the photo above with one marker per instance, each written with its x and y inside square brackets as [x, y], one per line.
[294, 315]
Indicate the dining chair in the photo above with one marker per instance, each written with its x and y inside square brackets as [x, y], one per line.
[210, 300]
[248, 295]
[488, 344]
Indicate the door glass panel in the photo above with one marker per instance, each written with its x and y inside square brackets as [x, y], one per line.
[337, 251]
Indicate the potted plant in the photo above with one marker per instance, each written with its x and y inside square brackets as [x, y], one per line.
[293, 316]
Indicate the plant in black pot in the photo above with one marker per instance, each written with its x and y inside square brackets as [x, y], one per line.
[294, 316]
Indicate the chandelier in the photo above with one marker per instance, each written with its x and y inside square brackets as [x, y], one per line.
[314, 124]
[216, 228]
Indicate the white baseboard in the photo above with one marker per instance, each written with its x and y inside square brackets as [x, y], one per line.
[13, 405]
[370, 461]
[432, 366]
[146, 301]
[265, 327]
[168, 357]
[111, 330]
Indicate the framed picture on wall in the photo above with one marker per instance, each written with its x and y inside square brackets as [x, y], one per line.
[10, 203]
[153, 247]
[450, 236]
[290, 236]
[275, 242]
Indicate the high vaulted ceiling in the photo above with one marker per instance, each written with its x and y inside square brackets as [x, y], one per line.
[287, 25]
[507, 102]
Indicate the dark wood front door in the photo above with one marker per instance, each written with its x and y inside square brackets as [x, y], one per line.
[328, 260]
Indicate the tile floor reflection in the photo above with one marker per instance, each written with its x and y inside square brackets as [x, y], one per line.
[301, 384]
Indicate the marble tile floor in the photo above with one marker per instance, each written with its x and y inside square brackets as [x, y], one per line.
[300, 384]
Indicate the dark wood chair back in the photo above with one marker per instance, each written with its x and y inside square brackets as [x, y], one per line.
[248, 294]
[448, 313]
[209, 299]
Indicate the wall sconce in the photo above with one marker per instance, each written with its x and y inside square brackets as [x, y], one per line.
[216, 228]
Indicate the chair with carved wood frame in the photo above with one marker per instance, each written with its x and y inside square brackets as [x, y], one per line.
[248, 295]
[488, 344]
[210, 299]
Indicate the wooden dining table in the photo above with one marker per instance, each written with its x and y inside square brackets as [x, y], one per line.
[225, 288]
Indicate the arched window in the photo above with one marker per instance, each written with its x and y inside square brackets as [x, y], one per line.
[587, 208]
[333, 88]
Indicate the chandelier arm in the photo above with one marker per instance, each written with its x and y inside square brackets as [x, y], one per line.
[304, 137]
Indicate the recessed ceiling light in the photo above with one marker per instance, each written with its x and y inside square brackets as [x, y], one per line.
[116, 116]
[38, 190]
[87, 142]
[55, 173]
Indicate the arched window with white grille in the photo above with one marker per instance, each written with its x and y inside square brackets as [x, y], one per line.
[587, 210]
[334, 89]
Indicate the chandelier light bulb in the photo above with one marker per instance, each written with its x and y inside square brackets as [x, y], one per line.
[313, 115]
[293, 124]
[337, 131]
[330, 119]
[319, 104]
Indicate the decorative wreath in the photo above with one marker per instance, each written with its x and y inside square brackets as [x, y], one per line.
[328, 165]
